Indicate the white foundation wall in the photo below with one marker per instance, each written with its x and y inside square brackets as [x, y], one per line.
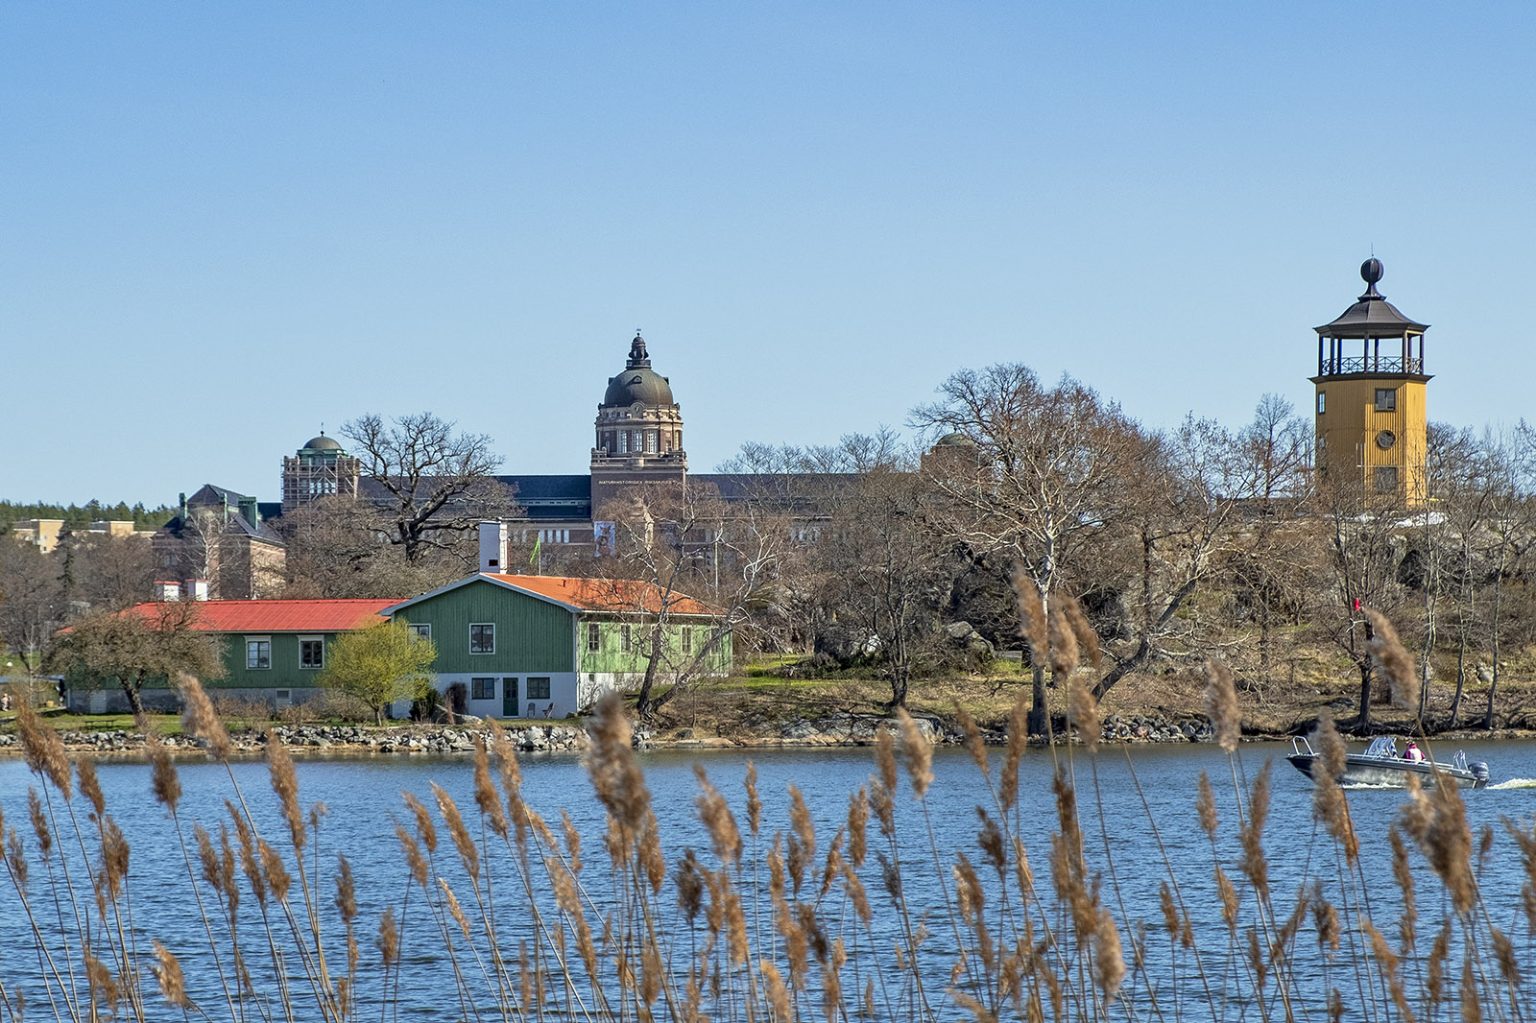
[563, 698]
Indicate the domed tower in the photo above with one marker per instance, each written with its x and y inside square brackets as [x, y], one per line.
[1371, 404]
[639, 429]
[321, 468]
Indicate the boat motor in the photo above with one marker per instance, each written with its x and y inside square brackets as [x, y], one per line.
[1480, 772]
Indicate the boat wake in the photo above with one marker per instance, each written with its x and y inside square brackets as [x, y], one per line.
[1516, 783]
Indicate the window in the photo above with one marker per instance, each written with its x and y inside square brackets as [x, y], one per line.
[482, 639]
[687, 640]
[482, 689]
[624, 638]
[258, 654]
[421, 630]
[594, 637]
[1322, 402]
[1386, 479]
[1386, 399]
[538, 689]
[311, 652]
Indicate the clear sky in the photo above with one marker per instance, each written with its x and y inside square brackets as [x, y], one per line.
[224, 224]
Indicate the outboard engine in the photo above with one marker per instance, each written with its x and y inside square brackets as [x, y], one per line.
[1480, 772]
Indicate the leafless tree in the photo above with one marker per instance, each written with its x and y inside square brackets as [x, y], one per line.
[32, 598]
[883, 566]
[129, 649]
[432, 483]
[682, 540]
[338, 547]
[107, 572]
[1044, 474]
[1366, 540]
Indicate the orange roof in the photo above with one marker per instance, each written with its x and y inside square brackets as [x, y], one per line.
[272, 615]
[614, 595]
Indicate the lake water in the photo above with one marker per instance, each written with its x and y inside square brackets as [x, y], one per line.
[1136, 786]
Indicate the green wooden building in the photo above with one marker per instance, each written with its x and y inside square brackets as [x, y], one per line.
[273, 650]
[549, 646]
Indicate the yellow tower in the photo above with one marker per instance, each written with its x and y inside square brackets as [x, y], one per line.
[1371, 412]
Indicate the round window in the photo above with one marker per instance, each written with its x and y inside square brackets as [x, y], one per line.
[1385, 439]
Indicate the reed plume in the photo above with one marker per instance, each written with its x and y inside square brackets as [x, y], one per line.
[200, 719]
[1083, 710]
[919, 753]
[1033, 624]
[1082, 630]
[167, 971]
[285, 783]
[612, 765]
[41, 747]
[1392, 659]
[1221, 704]
[1063, 641]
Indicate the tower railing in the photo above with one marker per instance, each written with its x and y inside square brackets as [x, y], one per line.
[1372, 364]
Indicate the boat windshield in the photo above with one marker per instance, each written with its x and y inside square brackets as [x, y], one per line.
[1382, 746]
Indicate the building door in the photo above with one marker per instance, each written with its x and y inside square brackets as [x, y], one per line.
[509, 698]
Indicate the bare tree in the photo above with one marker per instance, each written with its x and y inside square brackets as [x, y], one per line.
[681, 541]
[107, 572]
[1045, 473]
[131, 648]
[884, 572]
[336, 549]
[1366, 543]
[1510, 469]
[432, 483]
[32, 599]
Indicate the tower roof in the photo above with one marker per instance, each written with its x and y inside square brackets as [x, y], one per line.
[322, 443]
[638, 382]
[1371, 315]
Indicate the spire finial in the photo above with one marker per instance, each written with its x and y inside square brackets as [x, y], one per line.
[637, 354]
[1371, 271]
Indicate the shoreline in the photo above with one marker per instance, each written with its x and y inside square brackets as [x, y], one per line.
[418, 740]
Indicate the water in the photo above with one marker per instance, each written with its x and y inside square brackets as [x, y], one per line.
[1135, 788]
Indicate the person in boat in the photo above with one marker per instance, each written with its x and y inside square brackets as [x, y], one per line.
[1413, 753]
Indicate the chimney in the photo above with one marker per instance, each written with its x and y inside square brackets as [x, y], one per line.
[493, 546]
[197, 589]
[167, 590]
[181, 506]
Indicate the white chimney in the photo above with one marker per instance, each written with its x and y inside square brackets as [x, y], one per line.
[197, 589]
[167, 589]
[493, 546]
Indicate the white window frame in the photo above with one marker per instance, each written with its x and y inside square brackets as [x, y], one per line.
[481, 625]
[594, 637]
[311, 639]
[687, 639]
[258, 639]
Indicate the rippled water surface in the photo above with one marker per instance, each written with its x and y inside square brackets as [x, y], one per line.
[1138, 810]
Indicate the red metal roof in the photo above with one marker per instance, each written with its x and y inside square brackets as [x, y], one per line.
[272, 615]
[616, 595]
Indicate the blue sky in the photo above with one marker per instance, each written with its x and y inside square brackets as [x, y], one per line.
[222, 225]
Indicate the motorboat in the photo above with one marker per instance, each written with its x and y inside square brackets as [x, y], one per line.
[1382, 766]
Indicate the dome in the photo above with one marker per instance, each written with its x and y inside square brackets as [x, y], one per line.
[954, 440]
[322, 443]
[638, 382]
[642, 385]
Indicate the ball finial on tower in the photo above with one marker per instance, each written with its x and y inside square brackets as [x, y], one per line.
[1371, 271]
